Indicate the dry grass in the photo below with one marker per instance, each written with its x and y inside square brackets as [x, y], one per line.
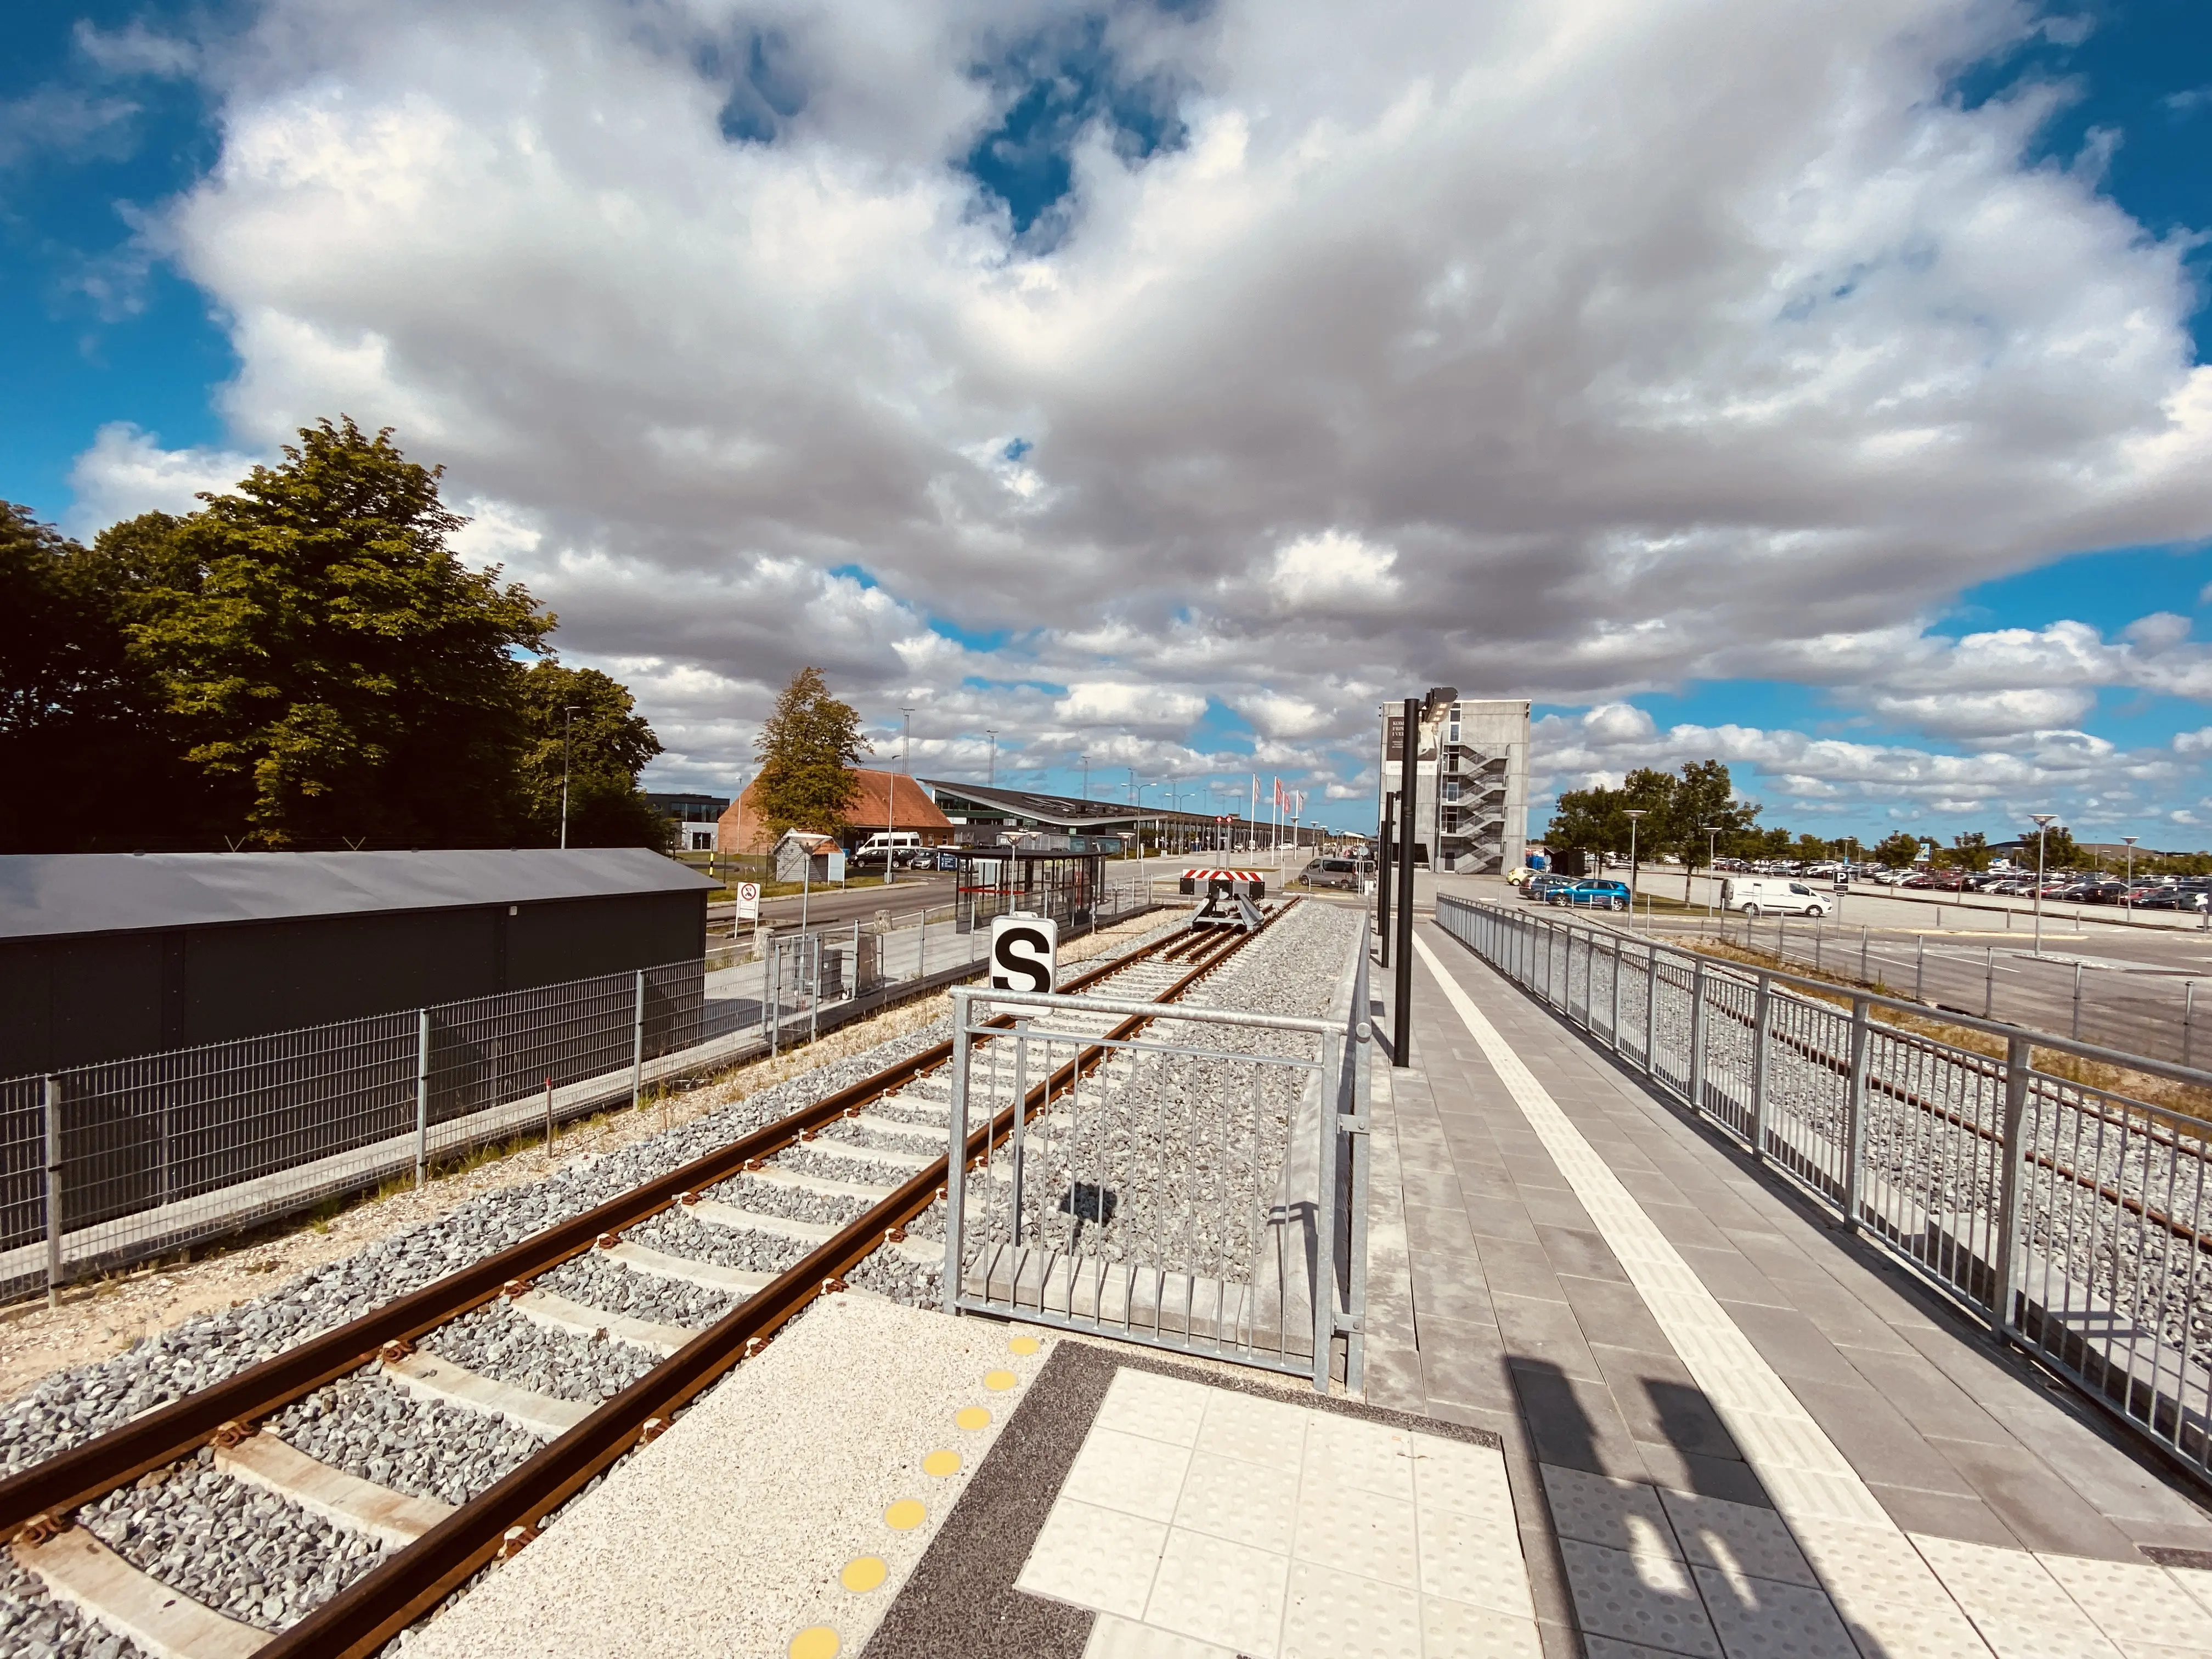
[105, 1316]
[2186, 1099]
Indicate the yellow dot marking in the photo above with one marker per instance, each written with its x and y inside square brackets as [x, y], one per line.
[1023, 1345]
[999, 1382]
[941, 1463]
[972, 1418]
[863, 1573]
[905, 1515]
[815, 1642]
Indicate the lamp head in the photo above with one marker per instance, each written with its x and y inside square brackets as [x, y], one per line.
[2043, 820]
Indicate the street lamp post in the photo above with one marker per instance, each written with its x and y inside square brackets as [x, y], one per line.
[2129, 898]
[1633, 813]
[567, 720]
[1085, 759]
[1712, 837]
[992, 776]
[2043, 823]
[891, 791]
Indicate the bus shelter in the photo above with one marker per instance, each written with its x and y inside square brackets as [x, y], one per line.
[996, 881]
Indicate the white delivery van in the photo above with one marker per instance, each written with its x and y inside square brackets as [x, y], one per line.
[904, 845]
[1772, 896]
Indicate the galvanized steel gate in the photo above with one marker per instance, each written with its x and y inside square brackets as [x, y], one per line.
[1199, 1184]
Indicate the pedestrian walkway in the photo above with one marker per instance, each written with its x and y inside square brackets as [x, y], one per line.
[1727, 1429]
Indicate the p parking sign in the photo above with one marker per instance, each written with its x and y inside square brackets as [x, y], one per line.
[1024, 953]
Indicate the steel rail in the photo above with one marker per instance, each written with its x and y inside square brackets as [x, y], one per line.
[377, 1607]
[35, 1500]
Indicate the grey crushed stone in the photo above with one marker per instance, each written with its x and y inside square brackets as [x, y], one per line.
[233, 1547]
[378, 1431]
[71, 1406]
[596, 1282]
[677, 1234]
[860, 1139]
[824, 1158]
[767, 1198]
[497, 1342]
[33, 1625]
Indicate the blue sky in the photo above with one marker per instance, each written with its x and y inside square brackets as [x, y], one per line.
[1113, 457]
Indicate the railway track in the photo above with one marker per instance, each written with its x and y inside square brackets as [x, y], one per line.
[724, 1249]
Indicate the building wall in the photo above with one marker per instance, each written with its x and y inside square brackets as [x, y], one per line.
[71, 1001]
[1481, 747]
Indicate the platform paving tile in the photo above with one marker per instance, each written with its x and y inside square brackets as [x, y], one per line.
[1900, 1449]
[1258, 1527]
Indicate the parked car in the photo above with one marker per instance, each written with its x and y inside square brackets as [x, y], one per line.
[1590, 893]
[1337, 872]
[1542, 883]
[1773, 897]
[2174, 898]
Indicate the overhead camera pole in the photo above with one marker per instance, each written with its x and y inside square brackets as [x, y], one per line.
[1384, 853]
[1409, 749]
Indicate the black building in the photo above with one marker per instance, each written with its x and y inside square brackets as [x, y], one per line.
[105, 956]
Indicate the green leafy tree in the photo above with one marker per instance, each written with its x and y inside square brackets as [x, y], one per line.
[1704, 794]
[2060, 851]
[1898, 850]
[338, 672]
[79, 716]
[603, 746]
[1966, 852]
[1809, 850]
[807, 748]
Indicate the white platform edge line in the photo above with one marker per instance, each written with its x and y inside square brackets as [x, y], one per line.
[1720, 1352]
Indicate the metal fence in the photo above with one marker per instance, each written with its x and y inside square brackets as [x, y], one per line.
[2071, 1217]
[106, 1164]
[1200, 1185]
[2146, 1008]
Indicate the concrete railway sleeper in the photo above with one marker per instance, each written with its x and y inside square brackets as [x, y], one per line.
[466, 1344]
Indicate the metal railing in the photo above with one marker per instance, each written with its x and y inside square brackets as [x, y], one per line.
[2148, 1006]
[1199, 1186]
[2073, 1219]
[102, 1165]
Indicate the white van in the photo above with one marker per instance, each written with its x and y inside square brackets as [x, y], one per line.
[1772, 896]
[904, 845]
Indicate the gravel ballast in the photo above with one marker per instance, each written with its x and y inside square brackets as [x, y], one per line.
[497, 1342]
[241, 1550]
[370, 1428]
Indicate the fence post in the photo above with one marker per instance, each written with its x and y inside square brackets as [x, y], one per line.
[637, 1045]
[1651, 1006]
[955, 1161]
[921, 944]
[1990, 982]
[549, 1117]
[1762, 1028]
[1323, 1287]
[2077, 1002]
[422, 1093]
[1613, 1030]
[50, 1105]
[814, 991]
[1863, 934]
[2188, 1018]
[2019, 1058]
[1855, 1119]
[772, 987]
[1820, 938]
[1697, 1069]
[1920, 969]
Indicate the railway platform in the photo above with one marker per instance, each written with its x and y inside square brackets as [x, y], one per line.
[1729, 1429]
[1626, 1397]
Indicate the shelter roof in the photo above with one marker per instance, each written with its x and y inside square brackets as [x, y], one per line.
[47, 894]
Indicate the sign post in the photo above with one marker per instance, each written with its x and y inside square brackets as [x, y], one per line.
[1024, 953]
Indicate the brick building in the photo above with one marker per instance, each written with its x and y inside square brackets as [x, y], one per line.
[887, 800]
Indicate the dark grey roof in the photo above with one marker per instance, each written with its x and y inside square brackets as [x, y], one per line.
[42, 894]
[1063, 810]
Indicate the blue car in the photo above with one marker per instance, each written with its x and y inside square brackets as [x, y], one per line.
[1592, 893]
